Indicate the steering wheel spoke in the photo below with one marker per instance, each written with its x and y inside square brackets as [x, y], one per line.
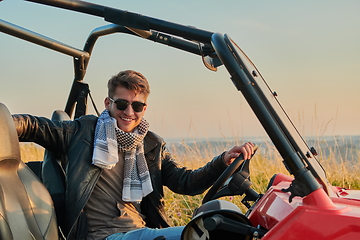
[226, 185]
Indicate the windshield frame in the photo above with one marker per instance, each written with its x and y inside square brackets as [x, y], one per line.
[298, 158]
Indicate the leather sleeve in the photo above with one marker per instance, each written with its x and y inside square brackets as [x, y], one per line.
[48, 134]
[182, 180]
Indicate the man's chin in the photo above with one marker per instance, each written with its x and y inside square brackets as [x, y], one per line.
[126, 128]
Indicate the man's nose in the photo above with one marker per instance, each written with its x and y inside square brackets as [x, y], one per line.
[129, 110]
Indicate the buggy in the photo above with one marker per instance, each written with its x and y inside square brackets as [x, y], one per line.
[303, 205]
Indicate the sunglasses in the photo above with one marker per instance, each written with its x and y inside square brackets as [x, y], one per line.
[122, 104]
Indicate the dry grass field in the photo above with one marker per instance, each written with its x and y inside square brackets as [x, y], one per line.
[342, 168]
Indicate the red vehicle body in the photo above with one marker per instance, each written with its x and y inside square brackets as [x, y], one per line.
[315, 216]
[304, 206]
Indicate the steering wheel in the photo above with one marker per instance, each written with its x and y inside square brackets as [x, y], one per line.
[230, 170]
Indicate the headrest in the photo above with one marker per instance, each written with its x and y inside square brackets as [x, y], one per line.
[60, 115]
[9, 141]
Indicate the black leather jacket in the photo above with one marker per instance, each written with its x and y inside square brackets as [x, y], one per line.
[71, 143]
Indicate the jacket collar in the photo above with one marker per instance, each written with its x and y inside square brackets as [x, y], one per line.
[150, 143]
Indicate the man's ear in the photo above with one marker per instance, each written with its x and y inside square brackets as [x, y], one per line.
[107, 103]
[145, 107]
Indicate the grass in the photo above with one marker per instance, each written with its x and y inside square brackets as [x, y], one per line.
[31, 152]
[340, 160]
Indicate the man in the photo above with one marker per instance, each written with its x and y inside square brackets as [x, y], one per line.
[115, 168]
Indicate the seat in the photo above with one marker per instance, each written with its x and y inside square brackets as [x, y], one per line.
[53, 175]
[26, 208]
[50, 172]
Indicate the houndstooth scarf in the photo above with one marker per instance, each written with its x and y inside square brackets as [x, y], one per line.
[109, 139]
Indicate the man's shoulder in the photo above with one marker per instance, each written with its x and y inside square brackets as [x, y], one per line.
[153, 136]
[86, 122]
[151, 141]
[87, 118]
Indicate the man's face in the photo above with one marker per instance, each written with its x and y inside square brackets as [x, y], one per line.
[127, 119]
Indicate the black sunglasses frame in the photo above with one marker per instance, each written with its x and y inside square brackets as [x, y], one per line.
[136, 106]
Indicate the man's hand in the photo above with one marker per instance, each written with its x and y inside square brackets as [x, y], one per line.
[246, 149]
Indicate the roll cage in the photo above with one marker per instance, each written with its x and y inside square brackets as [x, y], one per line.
[215, 49]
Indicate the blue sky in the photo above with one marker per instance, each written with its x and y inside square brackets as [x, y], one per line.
[308, 52]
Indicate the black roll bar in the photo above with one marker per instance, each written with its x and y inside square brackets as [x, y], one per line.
[25, 34]
[80, 90]
[305, 181]
[129, 19]
[194, 39]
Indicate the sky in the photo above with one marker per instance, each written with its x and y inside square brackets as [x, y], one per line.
[308, 52]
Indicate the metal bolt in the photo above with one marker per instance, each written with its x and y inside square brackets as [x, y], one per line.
[313, 151]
